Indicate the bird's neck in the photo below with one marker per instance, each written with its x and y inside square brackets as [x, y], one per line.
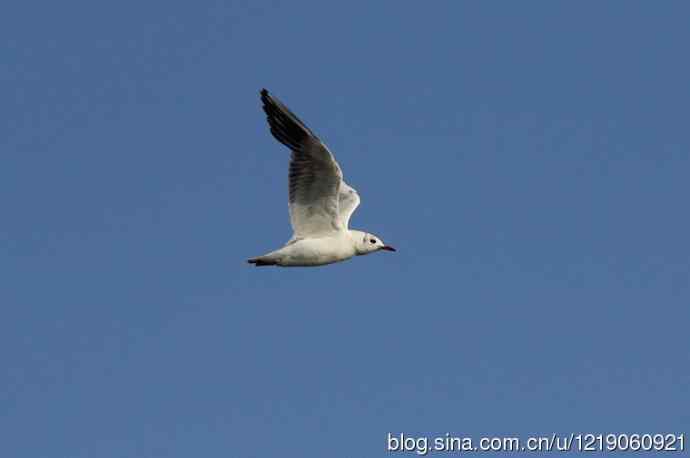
[356, 235]
[358, 239]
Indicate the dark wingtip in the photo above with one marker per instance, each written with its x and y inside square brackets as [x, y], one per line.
[286, 127]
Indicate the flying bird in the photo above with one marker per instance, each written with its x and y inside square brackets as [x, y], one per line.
[320, 201]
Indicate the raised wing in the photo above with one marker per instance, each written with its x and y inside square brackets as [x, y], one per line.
[348, 201]
[314, 175]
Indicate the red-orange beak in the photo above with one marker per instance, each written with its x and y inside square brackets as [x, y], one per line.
[388, 248]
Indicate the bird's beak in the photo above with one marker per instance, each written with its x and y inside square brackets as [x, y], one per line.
[388, 248]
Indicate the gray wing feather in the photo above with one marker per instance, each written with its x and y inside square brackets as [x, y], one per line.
[348, 201]
[314, 175]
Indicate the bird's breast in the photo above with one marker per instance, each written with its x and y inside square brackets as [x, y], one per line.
[318, 251]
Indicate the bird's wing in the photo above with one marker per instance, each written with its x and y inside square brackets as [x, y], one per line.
[314, 178]
[348, 201]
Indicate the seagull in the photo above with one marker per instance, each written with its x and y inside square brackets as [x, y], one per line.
[320, 202]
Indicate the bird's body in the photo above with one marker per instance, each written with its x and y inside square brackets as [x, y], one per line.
[320, 201]
[314, 251]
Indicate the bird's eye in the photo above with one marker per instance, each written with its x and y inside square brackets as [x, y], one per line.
[372, 241]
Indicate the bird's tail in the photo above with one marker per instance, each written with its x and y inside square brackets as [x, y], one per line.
[262, 261]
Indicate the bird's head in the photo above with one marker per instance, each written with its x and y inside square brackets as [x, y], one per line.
[366, 243]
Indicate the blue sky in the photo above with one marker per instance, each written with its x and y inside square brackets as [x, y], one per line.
[530, 161]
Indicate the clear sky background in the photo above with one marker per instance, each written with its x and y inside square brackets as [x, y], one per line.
[530, 161]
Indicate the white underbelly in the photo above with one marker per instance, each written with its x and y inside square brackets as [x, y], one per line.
[316, 252]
